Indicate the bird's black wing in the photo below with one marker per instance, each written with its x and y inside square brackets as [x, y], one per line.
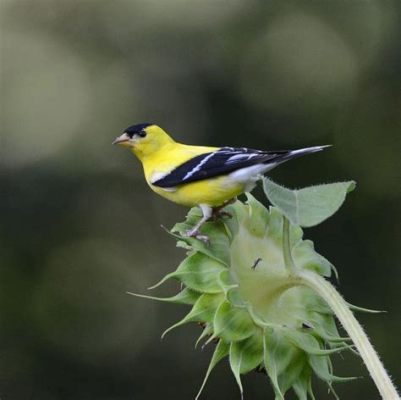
[220, 162]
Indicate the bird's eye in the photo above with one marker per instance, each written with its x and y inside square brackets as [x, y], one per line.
[142, 134]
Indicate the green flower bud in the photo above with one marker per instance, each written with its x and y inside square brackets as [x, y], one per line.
[259, 291]
[250, 304]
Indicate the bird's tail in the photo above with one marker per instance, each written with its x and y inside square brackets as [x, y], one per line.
[290, 154]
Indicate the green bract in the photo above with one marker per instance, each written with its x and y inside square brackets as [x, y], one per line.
[249, 302]
[309, 206]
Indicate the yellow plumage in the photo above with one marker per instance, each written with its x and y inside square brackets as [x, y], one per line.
[160, 154]
[199, 175]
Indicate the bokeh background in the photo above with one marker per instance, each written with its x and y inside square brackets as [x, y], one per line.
[79, 227]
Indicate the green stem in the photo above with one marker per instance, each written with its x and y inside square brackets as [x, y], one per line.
[288, 260]
[342, 311]
[354, 330]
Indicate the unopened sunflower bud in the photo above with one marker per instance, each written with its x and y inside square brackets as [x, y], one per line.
[260, 293]
[249, 303]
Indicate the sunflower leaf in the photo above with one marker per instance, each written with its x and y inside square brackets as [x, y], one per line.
[308, 206]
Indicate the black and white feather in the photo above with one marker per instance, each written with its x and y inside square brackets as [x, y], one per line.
[242, 163]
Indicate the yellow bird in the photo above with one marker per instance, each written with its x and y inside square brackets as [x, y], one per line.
[208, 177]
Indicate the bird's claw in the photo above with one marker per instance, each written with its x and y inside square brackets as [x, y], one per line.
[204, 239]
[221, 214]
[197, 235]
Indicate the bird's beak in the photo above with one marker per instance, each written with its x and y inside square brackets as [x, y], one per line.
[123, 139]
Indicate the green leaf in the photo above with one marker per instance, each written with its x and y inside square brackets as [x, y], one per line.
[218, 246]
[220, 352]
[276, 224]
[322, 368]
[365, 310]
[248, 353]
[292, 373]
[200, 273]
[186, 296]
[235, 365]
[232, 324]
[270, 343]
[302, 386]
[284, 362]
[239, 211]
[308, 206]
[207, 331]
[315, 304]
[257, 221]
[307, 342]
[235, 298]
[301, 390]
[225, 281]
[328, 337]
[202, 311]
[308, 258]
[205, 308]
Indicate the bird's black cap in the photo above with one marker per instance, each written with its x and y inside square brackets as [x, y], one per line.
[136, 129]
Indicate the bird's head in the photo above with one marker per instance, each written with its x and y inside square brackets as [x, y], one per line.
[143, 139]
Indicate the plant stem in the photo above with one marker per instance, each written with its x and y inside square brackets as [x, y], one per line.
[342, 311]
[354, 330]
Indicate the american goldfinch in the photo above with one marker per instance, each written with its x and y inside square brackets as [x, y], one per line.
[208, 177]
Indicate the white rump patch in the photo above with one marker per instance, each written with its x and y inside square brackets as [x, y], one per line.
[249, 175]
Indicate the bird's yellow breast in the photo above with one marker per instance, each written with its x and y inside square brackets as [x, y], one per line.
[213, 192]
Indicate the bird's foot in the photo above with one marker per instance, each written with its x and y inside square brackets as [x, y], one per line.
[195, 233]
[226, 214]
[220, 213]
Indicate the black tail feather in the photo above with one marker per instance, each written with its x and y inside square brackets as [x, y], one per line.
[290, 154]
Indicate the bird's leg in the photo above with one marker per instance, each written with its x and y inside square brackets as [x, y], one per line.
[194, 232]
[219, 212]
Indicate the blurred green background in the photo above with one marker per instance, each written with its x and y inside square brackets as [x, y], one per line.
[79, 227]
